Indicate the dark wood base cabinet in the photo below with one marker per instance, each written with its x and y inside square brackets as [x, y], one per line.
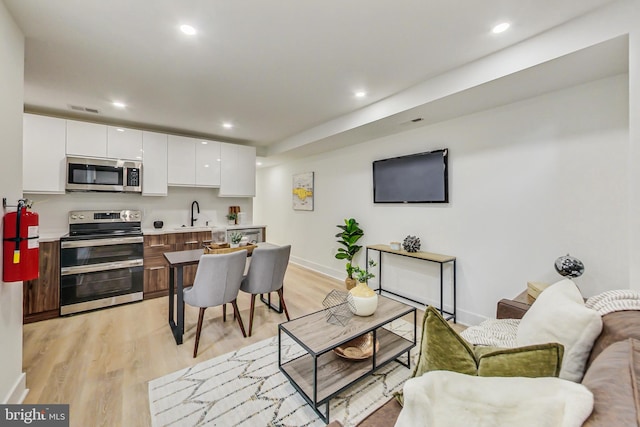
[41, 297]
[156, 268]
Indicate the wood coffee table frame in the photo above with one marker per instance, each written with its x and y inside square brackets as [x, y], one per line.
[319, 374]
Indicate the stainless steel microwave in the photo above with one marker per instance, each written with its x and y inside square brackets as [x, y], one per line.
[91, 174]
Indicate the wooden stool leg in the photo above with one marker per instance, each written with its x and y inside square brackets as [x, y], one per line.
[224, 312]
[284, 306]
[198, 329]
[237, 314]
[253, 306]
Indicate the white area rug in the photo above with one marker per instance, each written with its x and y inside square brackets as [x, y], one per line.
[246, 388]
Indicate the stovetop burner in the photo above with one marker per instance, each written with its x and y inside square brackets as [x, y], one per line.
[86, 225]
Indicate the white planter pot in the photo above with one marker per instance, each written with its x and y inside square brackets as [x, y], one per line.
[363, 306]
[235, 245]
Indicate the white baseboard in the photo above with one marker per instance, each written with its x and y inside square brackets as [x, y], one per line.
[318, 268]
[18, 392]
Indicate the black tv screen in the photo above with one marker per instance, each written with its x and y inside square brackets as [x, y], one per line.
[417, 178]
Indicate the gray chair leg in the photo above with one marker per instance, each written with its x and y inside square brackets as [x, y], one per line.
[253, 306]
[198, 329]
[237, 314]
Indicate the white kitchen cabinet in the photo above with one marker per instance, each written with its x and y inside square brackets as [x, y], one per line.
[207, 163]
[123, 143]
[181, 161]
[238, 171]
[193, 163]
[154, 166]
[86, 139]
[43, 161]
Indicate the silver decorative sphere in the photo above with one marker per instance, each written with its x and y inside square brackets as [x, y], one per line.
[569, 266]
[411, 244]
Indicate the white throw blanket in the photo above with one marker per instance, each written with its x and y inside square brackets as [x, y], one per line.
[617, 300]
[450, 399]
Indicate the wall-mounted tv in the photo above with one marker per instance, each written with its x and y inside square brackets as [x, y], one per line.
[416, 178]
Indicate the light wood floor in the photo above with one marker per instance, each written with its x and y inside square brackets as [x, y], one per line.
[100, 362]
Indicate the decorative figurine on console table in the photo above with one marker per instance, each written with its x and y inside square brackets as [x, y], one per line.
[411, 244]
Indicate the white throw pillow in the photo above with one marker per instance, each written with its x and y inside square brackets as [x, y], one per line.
[559, 315]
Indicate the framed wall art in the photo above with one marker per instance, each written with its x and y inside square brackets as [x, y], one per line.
[303, 191]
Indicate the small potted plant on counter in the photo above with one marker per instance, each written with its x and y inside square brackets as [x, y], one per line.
[231, 217]
[236, 238]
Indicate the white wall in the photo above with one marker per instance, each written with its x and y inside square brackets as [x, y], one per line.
[529, 182]
[12, 381]
[174, 209]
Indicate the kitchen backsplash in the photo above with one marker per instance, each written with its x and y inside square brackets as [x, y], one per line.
[174, 209]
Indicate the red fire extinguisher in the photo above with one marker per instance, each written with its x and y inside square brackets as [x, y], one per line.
[20, 246]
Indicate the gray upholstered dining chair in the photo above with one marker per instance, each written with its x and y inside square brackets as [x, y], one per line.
[266, 275]
[217, 282]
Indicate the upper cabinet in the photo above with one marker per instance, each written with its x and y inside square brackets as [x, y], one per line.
[123, 143]
[182, 155]
[96, 140]
[154, 167]
[207, 163]
[193, 162]
[238, 171]
[86, 139]
[43, 148]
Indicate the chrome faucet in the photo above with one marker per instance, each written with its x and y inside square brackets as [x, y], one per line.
[195, 203]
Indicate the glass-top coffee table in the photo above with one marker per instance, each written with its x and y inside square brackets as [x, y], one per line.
[319, 373]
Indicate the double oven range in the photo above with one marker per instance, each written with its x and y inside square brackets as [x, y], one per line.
[101, 260]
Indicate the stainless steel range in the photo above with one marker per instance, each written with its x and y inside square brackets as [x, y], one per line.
[101, 260]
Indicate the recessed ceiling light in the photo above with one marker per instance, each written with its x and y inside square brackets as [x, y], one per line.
[360, 94]
[204, 142]
[188, 29]
[119, 104]
[227, 125]
[500, 28]
[258, 163]
[120, 129]
[206, 166]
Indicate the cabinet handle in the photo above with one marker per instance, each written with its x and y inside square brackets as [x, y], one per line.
[193, 242]
[156, 268]
[207, 241]
[155, 246]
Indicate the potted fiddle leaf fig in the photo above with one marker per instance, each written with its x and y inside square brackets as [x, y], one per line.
[348, 238]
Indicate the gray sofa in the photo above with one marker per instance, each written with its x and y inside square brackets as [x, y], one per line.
[612, 375]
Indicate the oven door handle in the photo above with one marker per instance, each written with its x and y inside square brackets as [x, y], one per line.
[101, 242]
[92, 268]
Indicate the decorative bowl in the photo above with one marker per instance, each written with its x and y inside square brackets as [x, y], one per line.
[358, 348]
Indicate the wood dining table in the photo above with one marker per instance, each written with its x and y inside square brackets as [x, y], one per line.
[177, 261]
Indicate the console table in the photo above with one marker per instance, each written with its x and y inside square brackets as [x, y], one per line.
[424, 256]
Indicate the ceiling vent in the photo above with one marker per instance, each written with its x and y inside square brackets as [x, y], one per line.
[84, 109]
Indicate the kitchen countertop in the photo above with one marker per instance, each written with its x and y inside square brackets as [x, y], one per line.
[52, 236]
[178, 229]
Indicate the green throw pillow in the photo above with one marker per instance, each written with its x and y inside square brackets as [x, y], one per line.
[443, 349]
